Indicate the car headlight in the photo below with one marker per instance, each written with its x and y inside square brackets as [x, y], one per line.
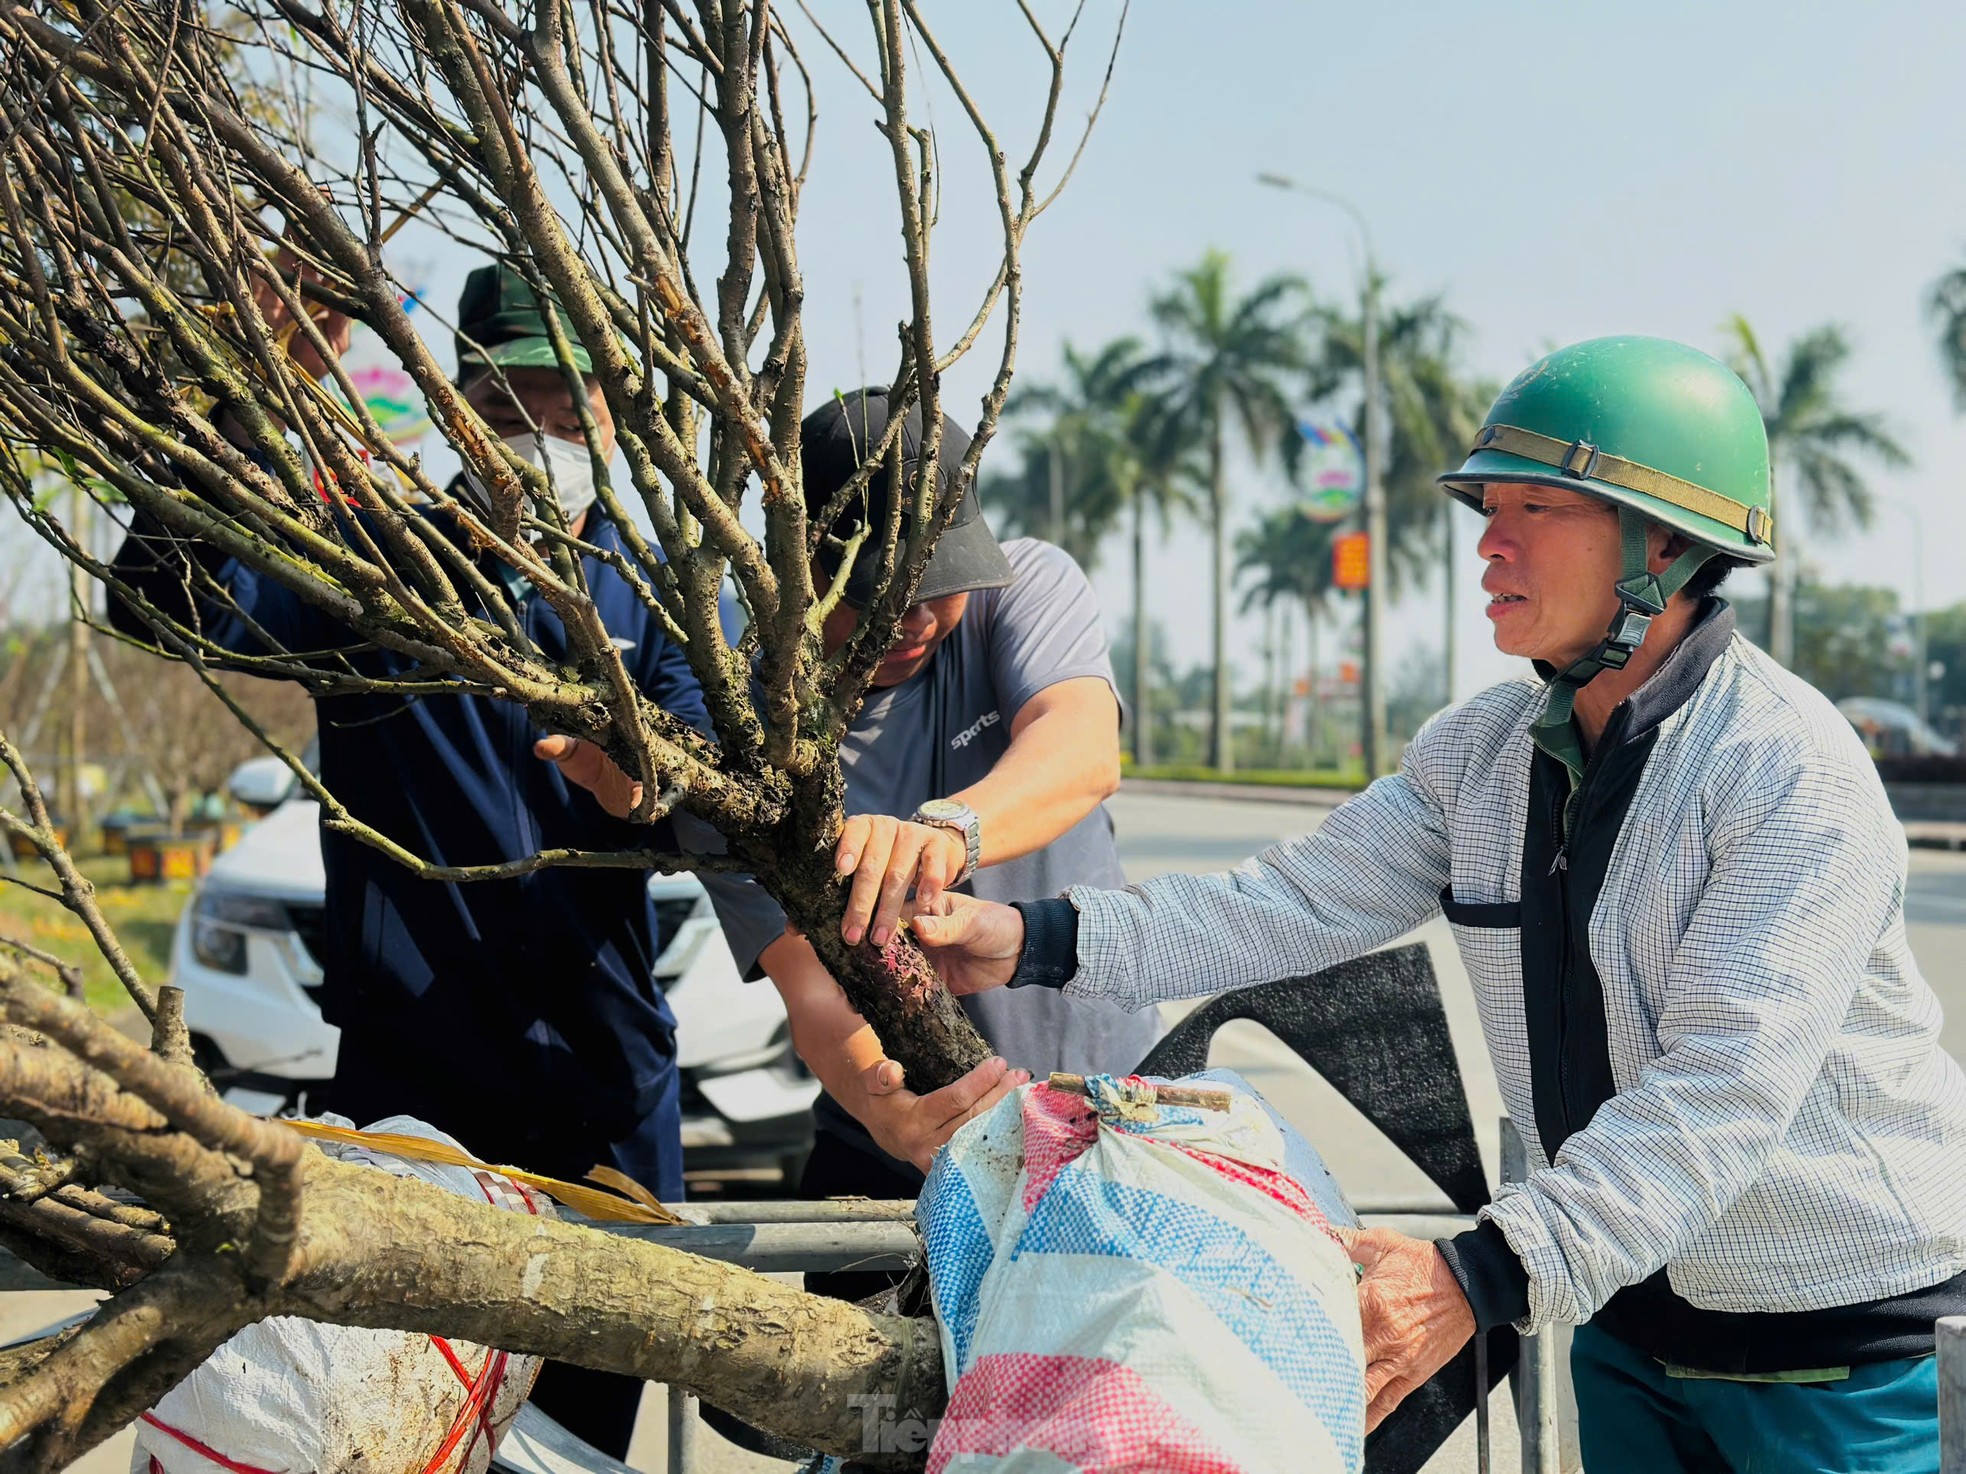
[216, 940]
[241, 910]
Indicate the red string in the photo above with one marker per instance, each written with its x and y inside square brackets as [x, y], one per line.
[471, 1412]
[474, 1413]
[198, 1448]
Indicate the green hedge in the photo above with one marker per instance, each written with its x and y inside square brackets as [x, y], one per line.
[1350, 779]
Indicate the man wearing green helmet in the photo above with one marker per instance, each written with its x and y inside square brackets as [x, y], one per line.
[1678, 888]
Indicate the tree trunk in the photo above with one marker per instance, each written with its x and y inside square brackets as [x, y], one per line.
[1143, 714]
[261, 1224]
[1313, 709]
[798, 1365]
[393, 1253]
[1781, 590]
[1221, 753]
[919, 1023]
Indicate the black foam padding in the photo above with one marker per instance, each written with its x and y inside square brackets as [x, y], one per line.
[1423, 1422]
[1375, 1029]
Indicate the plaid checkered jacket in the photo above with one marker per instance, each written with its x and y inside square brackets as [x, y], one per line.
[1786, 1133]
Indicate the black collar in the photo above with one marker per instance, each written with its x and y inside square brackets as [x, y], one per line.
[1679, 675]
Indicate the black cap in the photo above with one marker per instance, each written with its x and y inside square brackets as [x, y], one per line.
[499, 323]
[833, 442]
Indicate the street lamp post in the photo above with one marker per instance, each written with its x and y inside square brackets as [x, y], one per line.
[1373, 705]
[1921, 698]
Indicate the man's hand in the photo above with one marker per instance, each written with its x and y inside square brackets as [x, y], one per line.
[974, 945]
[1415, 1317]
[887, 858]
[334, 326]
[585, 766]
[912, 1127]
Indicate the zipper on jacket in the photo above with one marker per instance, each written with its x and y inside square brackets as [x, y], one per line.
[1560, 870]
[1568, 810]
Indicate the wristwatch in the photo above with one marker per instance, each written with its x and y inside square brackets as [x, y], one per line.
[949, 813]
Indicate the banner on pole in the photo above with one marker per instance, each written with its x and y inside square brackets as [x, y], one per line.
[1334, 469]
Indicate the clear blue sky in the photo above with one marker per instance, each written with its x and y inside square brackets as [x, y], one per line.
[1559, 171]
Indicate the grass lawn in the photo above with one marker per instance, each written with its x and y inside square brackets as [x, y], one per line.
[142, 916]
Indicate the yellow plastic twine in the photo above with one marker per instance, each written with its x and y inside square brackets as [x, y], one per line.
[636, 1205]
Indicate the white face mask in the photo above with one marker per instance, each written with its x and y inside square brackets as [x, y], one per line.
[566, 464]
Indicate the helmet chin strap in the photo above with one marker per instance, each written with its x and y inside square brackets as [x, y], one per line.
[1642, 598]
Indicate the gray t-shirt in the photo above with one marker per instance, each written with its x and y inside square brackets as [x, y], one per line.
[944, 729]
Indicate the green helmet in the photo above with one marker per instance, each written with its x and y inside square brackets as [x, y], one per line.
[1643, 422]
[1664, 433]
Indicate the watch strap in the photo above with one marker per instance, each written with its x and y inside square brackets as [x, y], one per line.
[969, 829]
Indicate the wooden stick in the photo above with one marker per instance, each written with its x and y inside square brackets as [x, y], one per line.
[1204, 1097]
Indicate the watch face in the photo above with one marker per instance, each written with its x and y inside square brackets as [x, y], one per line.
[943, 808]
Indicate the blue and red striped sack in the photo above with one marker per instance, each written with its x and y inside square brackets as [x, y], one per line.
[1122, 1287]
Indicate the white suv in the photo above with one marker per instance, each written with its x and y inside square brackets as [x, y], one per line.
[246, 954]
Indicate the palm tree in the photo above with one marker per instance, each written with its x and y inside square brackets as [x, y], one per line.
[1067, 490]
[1947, 305]
[1112, 452]
[1811, 436]
[1164, 476]
[1432, 412]
[1229, 360]
[1284, 562]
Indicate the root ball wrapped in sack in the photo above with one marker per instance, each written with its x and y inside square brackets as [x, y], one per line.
[1122, 1284]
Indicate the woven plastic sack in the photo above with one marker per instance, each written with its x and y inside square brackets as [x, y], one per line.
[288, 1395]
[1136, 1288]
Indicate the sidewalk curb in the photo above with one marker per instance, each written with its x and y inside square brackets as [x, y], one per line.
[1920, 834]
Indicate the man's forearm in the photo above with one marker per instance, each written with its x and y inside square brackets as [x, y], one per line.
[1371, 873]
[1058, 769]
[836, 1043]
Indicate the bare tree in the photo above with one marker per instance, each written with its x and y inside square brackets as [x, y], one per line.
[146, 718]
[154, 159]
[547, 136]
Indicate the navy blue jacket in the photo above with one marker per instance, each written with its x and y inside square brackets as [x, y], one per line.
[539, 988]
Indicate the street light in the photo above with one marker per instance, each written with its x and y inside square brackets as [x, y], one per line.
[1373, 706]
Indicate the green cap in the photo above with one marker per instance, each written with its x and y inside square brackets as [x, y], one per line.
[1645, 423]
[499, 324]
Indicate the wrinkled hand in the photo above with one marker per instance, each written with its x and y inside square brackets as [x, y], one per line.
[334, 326]
[973, 945]
[1415, 1316]
[913, 1127]
[585, 766]
[888, 858]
